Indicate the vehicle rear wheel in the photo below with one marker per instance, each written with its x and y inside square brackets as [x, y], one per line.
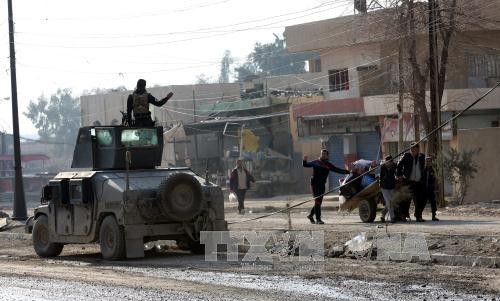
[180, 197]
[111, 238]
[367, 211]
[41, 239]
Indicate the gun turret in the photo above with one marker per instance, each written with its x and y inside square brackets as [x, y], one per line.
[104, 147]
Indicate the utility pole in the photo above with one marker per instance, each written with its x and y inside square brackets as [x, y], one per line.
[434, 86]
[19, 212]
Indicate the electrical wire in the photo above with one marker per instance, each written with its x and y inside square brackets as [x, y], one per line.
[371, 169]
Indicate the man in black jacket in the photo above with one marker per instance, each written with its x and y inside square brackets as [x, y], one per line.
[429, 180]
[321, 169]
[139, 101]
[410, 170]
[239, 183]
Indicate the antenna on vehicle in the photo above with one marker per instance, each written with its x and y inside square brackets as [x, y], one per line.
[128, 161]
[206, 174]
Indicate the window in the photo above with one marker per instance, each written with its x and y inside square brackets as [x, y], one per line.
[483, 70]
[76, 192]
[104, 137]
[338, 79]
[139, 137]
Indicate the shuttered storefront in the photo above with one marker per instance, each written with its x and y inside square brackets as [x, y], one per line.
[368, 146]
[336, 150]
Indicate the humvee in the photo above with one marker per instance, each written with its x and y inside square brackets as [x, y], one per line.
[117, 196]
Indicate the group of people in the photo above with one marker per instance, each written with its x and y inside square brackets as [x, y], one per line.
[414, 173]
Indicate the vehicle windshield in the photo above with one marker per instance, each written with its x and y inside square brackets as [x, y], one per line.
[139, 137]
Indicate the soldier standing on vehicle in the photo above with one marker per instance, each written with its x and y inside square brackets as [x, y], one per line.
[321, 168]
[139, 103]
[239, 183]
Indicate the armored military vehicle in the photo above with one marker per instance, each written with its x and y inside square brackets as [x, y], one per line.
[116, 195]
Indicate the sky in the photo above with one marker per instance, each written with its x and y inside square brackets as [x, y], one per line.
[89, 44]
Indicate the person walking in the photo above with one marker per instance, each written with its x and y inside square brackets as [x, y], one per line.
[138, 103]
[239, 183]
[429, 181]
[387, 184]
[321, 168]
[410, 170]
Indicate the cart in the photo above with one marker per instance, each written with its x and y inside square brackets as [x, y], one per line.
[365, 200]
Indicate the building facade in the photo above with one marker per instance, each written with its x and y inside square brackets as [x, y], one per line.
[357, 69]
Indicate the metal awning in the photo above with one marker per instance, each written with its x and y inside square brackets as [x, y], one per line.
[333, 115]
[217, 125]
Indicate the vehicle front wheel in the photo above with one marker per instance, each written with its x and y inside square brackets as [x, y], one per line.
[41, 239]
[111, 238]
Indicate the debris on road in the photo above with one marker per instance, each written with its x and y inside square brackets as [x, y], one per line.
[335, 251]
[436, 246]
[359, 246]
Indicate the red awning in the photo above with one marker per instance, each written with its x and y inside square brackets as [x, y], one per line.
[328, 107]
[25, 158]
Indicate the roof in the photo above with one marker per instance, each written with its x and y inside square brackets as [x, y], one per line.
[373, 27]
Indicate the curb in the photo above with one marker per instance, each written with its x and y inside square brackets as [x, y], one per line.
[466, 260]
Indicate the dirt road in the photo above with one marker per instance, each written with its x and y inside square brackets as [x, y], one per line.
[80, 273]
[186, 277]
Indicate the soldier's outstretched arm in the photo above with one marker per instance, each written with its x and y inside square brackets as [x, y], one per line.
[160, 103]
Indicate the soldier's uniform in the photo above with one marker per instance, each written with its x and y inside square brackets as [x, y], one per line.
[140, 107]
[139, 101]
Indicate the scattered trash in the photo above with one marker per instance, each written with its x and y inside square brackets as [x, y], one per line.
[436, 246]
[233, 198]
[359, 246]
[335, 251]
[3, 214]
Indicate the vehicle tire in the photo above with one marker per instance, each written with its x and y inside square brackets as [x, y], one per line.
[196, 248]
[180, 197]
[111, 239]
[41, 239]
[190, 245]
[367, 211]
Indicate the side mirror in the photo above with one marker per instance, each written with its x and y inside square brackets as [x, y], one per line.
[47, 193]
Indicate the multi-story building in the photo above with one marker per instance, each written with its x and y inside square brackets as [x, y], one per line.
[357, 68]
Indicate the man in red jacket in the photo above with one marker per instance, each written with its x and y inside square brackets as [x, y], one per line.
[239, 183]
